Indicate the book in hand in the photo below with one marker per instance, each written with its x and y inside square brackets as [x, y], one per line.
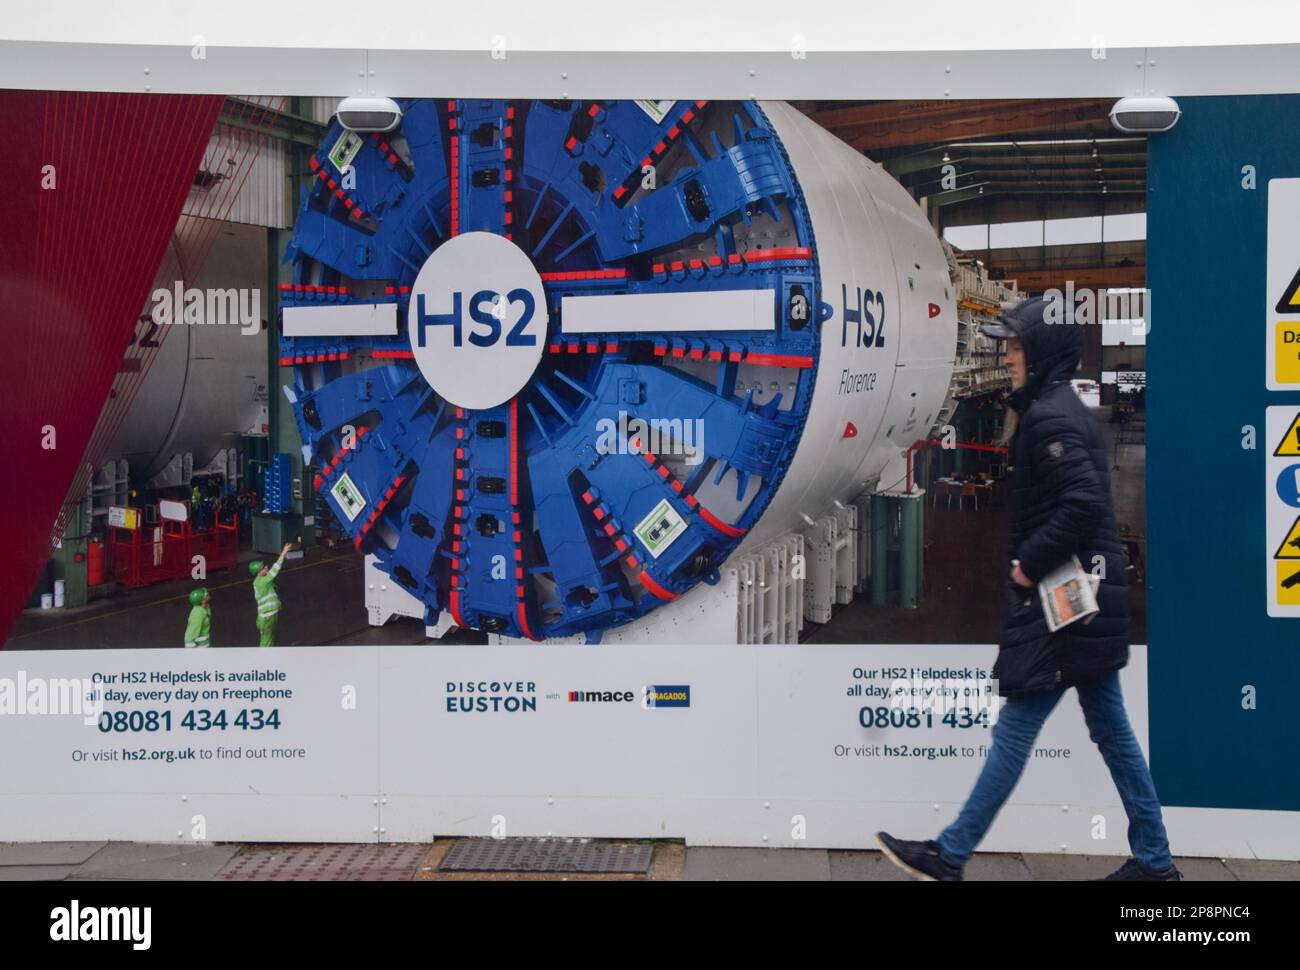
[1069, 593]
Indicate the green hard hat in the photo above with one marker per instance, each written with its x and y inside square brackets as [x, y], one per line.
[197, 596]
[255, 567]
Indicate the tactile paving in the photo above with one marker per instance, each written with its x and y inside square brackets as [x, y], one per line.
[546, 855]
[363, 862]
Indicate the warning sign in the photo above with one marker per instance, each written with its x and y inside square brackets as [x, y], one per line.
[1290, 303]
[1286, 353]
[1288, 584]
[1282, 285]
[1281, 508]
[348, 496]
[1289, 446]
[345, 150]
[658, 529]
[1290, 548]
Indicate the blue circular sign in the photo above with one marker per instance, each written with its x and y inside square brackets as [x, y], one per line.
[1288, 486]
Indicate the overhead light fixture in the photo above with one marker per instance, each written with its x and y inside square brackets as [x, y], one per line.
[1040, 142]
[945, 156]
[1145, 115]
[369, 114]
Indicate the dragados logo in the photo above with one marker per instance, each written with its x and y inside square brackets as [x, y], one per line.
[666, 695]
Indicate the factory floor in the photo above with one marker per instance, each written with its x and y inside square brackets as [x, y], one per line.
[323, 599]
[966, 564]
[322, 602]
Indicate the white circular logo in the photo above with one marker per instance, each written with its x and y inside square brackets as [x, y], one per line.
[477, 320]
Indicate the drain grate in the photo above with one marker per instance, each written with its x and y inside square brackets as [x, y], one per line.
[546, 855]
[365, 862]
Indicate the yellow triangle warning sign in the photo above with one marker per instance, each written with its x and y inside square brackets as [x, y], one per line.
[1290, 547]
[1288, 585]
[1290, 302]
[1289, 446]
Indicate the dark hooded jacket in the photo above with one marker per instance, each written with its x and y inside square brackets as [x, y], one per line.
[1060, 506]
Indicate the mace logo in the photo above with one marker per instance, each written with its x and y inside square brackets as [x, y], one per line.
[120, 923]
[600, 696]
[666, 695]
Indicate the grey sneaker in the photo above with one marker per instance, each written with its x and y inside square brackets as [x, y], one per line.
[920, 860]
[1134, 871]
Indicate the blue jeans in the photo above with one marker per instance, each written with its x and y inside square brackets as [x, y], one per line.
[1018, 724]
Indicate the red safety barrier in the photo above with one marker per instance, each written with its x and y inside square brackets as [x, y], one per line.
[218, 545]
[156, 553]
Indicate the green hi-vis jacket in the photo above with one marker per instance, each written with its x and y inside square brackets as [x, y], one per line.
[198, 631]
[268, 603]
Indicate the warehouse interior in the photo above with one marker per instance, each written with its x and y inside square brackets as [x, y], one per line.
[1031, 195]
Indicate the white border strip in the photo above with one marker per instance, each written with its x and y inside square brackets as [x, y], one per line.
[938, 75]
[669, 312]
[586, 25]
[347, 320]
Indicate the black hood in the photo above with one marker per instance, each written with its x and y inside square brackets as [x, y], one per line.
[1052, 349]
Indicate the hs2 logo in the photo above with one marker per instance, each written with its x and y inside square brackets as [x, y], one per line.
[860, 312]
[491, 318]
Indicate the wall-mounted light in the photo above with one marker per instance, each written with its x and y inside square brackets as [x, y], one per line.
[369, 114]
[1145, 115]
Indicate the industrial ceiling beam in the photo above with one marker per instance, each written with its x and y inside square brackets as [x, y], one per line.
[1025, 177]
[1011, 190]
[1084, 277]
[285, 126]
[897, 124]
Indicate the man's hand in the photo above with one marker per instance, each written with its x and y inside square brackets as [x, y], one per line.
[285, 551]
[1019, 578]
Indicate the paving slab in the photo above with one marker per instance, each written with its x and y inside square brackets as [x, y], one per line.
[997, 867]
[706, 863]
[47, 853]
[35, 873]
[1257, 869]
[864, 866]
[328, 862]
[1048, 867]
[84, 861]
[667, 865]
[873, 866]
[1204, 870]
[550, 855]
[151, 860]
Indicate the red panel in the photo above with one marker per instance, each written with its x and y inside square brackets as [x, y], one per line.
[76, 265]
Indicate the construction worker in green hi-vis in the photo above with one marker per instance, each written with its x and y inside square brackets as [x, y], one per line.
[198, 631]
[268, 603]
